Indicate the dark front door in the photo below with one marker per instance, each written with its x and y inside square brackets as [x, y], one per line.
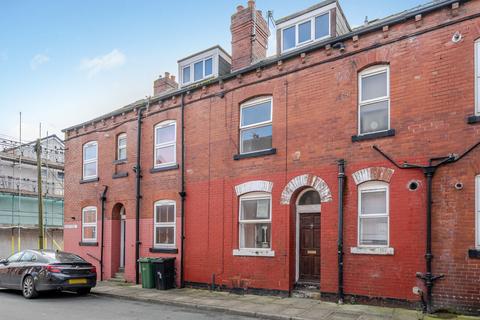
[309, 264]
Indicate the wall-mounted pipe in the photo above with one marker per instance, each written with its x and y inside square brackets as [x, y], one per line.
[103, 198]
[138, 196]
[429, 171]
[341, 187]
[182, 195]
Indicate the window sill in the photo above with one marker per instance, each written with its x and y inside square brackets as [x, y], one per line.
[255, 154]
[383, 251]
[89, 180]
[376, 135]
[165, 168]
[163, 250]
[122, 161]
[473, 119]
[254, 252]
[474, 253]
[88, 244]
[120, 175]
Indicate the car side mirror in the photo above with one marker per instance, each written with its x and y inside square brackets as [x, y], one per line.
[4, 261]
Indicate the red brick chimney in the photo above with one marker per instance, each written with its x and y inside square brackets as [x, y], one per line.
[164, 84]
[249, 36]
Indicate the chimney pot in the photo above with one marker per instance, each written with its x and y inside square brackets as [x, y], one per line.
[251, 4]
[164, 84]
[172, 77]
[167, 75]
[239, 8]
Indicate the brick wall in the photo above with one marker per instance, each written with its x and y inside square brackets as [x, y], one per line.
[314, 117]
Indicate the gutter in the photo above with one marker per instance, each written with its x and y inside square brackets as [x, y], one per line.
[287, 56]
[182, 194]
[341, 188]
[138, 176]
[103, 198]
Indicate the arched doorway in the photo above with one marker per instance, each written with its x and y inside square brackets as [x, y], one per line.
[118, 239]
[308, 250]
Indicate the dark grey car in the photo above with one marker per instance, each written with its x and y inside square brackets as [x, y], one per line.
[33, 271]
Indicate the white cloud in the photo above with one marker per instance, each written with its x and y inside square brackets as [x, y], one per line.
[108, 61]
[38, 60]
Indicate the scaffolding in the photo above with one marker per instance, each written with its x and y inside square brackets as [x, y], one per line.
[18, 189]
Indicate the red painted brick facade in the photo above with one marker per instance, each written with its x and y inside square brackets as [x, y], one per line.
[314, 118]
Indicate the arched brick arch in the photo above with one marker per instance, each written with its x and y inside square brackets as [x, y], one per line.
[373, 174]
[306, 180]
[254, 186]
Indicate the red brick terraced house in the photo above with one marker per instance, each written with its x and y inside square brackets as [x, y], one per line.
[346, 164]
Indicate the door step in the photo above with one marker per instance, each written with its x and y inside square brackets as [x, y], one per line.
[307, 290]
[119, 277]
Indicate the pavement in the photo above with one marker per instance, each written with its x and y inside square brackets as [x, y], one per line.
[66, 305]
[263, 307]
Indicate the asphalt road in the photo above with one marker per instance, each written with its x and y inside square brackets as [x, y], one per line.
[69, 306]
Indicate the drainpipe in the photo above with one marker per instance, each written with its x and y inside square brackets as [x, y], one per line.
[429, 171]
[103, 198]
[183, 194]
[341, 187]
[138, 197]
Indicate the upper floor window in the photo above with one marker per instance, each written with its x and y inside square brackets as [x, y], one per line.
[477, 209]
[374, 100]
[373, 214]
[201, 70]
[89, 224]
[90, 160]
[165, 143]
[122, 146]
[255, 221]
[164, 224]
[313, 29]
[256, 125]
[477, 77]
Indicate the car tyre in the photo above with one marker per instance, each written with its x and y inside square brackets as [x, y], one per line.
[84, 291]
[28, 288]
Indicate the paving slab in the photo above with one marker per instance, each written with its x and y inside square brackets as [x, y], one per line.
[265, 307]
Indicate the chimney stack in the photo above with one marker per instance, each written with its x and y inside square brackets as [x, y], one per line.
[164, 84]
[249, 36]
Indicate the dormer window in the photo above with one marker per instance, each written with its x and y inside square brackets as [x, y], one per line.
[319, 22]
[313, 29]
[204, 65]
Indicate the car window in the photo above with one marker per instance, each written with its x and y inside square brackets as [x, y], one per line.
[61, 257]
[28, 256]
[15, 257]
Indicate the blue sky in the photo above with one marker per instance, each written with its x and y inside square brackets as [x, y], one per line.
[65, 62]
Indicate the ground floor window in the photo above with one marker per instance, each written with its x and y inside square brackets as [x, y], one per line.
[255, 221]
[89, 224]
[164, 224]
[373, 214]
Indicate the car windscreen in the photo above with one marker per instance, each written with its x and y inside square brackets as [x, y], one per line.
[62, 257]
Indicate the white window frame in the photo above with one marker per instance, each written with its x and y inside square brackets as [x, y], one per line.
[312, 31]
[94, 160]
[373, 186]
[477, 211]
[252, 103]
[192, 70]
[254, 196]
[165, 224]
[173, 143]
[361, 103]
[477, 76]
[119, 148]
[89, 224]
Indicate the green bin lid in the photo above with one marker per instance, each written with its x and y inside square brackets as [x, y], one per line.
[146, 260]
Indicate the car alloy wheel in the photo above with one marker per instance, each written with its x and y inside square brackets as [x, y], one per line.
[28, 288]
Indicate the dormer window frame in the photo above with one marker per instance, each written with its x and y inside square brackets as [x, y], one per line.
[219, 57]
[311, 17]
[192, 70]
